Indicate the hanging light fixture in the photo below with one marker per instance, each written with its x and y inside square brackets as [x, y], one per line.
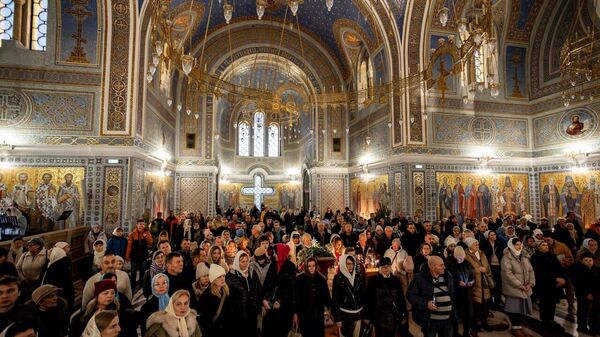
[329, 4]
[294, 4]
[158, 47]
[169, 101]
[227, 11]
[187, 63]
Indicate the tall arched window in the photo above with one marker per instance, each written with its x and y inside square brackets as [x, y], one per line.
[244, 139]
[259, 134]
[273, 140]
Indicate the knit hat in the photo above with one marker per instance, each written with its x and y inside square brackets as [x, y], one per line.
[450, 241]
[201, 270]
[239, 233]
[378, 228]
[260, 251]
[37, 241]
[470, 241]
[119, 258]
[215, 272]
[42, 292]
[103, 285]
[537, 231]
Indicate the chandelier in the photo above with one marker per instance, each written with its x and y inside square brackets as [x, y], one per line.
[474, 53]
[578, 61]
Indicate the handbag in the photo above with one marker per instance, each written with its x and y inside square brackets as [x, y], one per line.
[366, 330]
[487, 281]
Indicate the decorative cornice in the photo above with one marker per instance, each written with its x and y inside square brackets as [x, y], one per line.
[50, 76]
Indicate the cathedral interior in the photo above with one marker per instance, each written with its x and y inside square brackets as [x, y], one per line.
[154, 105]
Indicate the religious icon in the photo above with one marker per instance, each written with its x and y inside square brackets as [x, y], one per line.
[23, 193]
[46, 202]
[570, 197]
[520, 197]
[508, 193]
[471, 199]
[68, 199]
[483, 200]
[445, 199]
[576, 127]
[3, 187]
[590, 202]
[551, 201]
[458, 198]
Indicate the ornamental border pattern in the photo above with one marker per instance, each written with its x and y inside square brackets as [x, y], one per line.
[30, 75]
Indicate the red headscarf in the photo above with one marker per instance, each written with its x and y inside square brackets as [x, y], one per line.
[283, 251]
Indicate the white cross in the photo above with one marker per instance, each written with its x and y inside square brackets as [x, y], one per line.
[258, 191]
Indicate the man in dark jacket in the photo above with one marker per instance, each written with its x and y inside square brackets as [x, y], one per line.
[386, 306]
[431, 294]
[10, 310]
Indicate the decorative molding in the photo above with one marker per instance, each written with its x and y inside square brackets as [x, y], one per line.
[31, 75]
[113, 197]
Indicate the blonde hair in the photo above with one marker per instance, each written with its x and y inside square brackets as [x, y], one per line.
[218, 292]
[103, 319]
[91, 308]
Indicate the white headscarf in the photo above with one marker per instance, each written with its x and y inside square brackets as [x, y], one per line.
[512, 248]
[350, 275]
[56, 254]
[91, 329]
[99, 255]
[181, 321]
[236, 263]
[586, 245]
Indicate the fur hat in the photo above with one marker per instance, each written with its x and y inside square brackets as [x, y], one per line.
[215, 272]
[470, 241]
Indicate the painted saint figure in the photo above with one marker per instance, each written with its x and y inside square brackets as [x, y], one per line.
[497, 201]
[458, 198]
[576, 127]
[508, 193]
[589, 200]
[3, 187]
[570, 197]
[45, 196]
[23, 194]
[521, 197]
[471, 199]
[551, 201]
[445, 199]
[69, 200]
[483, 200]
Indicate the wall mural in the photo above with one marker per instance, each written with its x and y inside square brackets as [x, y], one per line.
[368, 197]
[565, 126]
[158, 194]
[516, 83]
[562, 192]
[472, 195]
[443, 65]
[78, 32]
[288, 195]
[42, 194]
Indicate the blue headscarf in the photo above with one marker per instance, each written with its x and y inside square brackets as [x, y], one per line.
[163, 300]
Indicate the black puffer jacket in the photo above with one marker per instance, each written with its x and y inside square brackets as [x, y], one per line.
[386, 305]
[347, 296]
[245, 300]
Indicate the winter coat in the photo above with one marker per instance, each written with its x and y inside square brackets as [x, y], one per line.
[311, 296]
[227, 322]
[586, 280]
[596, 255]
[516, 271]
[563, 253]
[243, 291]
[31, 267]
[488, 250]
[386, 305]
[463, 295]
[478, 290]
[59, 274]
[55, 320]
[147, 309]
[161, 324]
[410, 242]
[347, 296]
[138, 244]
[420, 291]
[117, 245]
[546, 268]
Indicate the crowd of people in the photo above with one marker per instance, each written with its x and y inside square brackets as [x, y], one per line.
[243, 273]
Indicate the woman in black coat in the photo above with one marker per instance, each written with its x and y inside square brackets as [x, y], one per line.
[549, 277]
[215, 323]
[464, 279]
[244, 289]
[349, 296]
[311, 296]
[59, 274]
[278, 303]
[494, 251]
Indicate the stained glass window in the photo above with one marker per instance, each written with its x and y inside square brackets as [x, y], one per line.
[273, 140]
[259, 134]
[7, 16]
[39, 24]
[244, 139]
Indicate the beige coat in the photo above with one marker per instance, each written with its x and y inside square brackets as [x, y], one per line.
[515, 273]
[30, 267]
[475, 263]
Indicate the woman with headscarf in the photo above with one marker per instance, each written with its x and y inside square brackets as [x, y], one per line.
[295, 247]
[263, 271]
[103, 324]
[176, 320]
[157, 266]
[99, 251]
[589, 246]
[336, 247]
[278, 296]
[463, 283]
[157, 301]
[348, 297]
[550, 278]
[243, 288]
[518, 280]
[311, 296]
[216, 306]
[58, 273]
[481, 291]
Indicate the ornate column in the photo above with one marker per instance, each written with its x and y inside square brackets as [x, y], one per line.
[18, 21]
